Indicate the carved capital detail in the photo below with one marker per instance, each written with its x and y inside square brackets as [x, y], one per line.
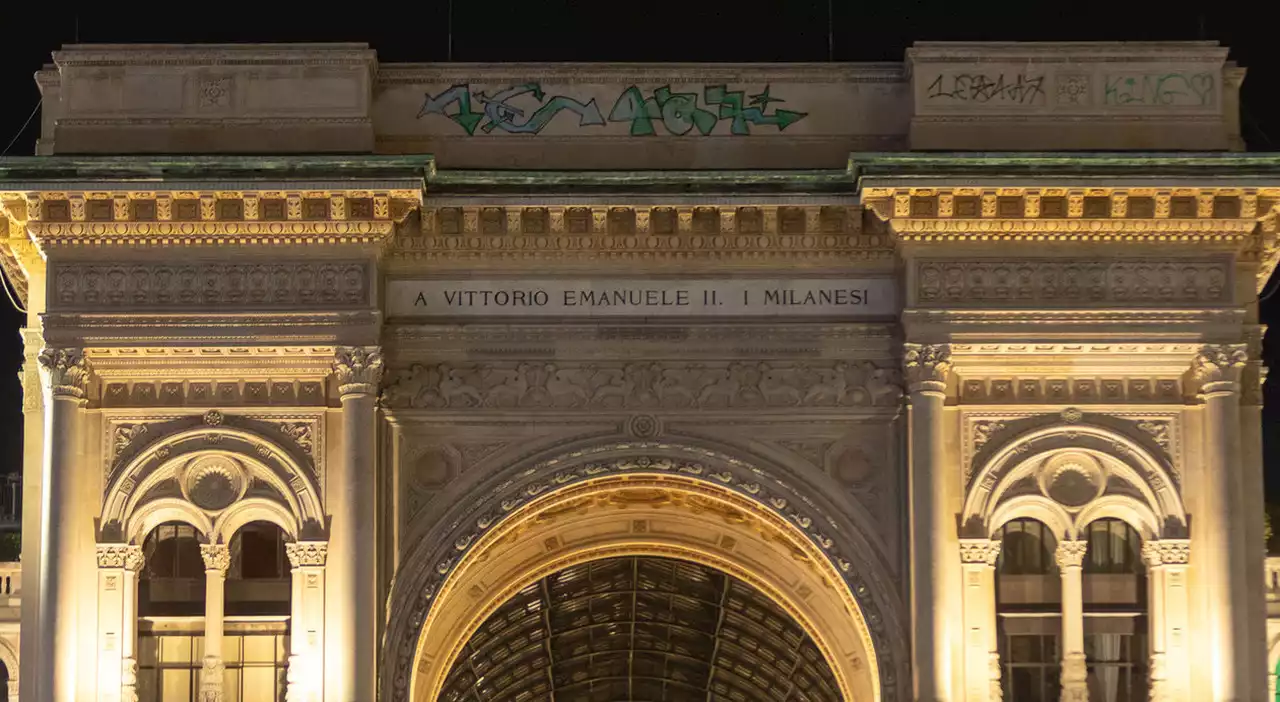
[979, 551]
[307, 553]
[1218, 364]
[65, 371]
[124, 556]
[1166, 552]
[926, 363]
[1070, 554]
[358, 369]
[216, 557]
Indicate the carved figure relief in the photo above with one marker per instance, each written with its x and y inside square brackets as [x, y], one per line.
[1046, 281]
[643, 385]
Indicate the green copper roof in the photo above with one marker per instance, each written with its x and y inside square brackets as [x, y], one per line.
[465, 182]
[183, 168]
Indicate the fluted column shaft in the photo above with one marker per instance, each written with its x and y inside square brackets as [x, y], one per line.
[1217, 538]
[982, 658]
[217, 558]
[352, 580]
[65, 373]
[934, 598]
[1070, 558]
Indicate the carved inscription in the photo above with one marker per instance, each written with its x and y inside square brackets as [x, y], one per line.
[633, 385]
[166, 285]
[1052, 281]
[999, 88]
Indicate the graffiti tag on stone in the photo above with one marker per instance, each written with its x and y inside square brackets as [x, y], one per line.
[527, 109]
[1167, 89]
[981, 88]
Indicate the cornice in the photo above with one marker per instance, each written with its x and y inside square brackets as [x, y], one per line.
[1212, 217]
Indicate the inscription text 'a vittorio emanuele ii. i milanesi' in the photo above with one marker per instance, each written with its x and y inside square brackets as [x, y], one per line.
[643, 298]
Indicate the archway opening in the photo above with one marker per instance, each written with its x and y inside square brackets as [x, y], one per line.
[1029, 612]
[171, 594]
[640, 628]
[255, 644]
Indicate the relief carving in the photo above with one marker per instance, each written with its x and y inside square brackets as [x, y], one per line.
[926, 363]
[1221, 363]
[167, 285]
[125, 434]
[644, 385]
[66, 371]
[1054, 281]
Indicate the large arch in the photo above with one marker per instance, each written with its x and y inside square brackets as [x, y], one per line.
[645, 498]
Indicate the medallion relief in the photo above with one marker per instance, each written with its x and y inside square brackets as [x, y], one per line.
[674, 385]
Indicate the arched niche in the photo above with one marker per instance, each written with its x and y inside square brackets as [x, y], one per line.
[214, 477]
[644, 498]
[1069, 475]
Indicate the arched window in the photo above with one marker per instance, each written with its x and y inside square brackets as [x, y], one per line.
[1029, 612]
[1115, 612]
[256, 643]
[171, 590]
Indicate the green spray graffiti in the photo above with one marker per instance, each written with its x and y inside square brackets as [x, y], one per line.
[676, 113]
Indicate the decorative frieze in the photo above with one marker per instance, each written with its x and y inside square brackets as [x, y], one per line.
[168, 285]
[1166, 552]
[125, 556]
[195, 393]
[675, 385]
[1073, 283]
[979, 551]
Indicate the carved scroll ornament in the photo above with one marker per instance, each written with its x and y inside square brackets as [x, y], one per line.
[644, 385]
[1220, 363]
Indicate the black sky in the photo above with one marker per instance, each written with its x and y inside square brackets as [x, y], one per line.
[601, 30]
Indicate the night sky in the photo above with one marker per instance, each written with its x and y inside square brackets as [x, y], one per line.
[596, 30]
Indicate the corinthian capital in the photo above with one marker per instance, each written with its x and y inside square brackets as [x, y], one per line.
[926, 363]
[358, 368]
[216, 557]
[65, 371]
[1219, 363]
[979, 551]
[1070, 554]
[306, 553]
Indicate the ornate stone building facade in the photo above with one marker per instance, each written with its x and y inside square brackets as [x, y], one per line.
[932, 381]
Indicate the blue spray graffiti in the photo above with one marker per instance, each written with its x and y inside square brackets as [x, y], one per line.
[677, 113]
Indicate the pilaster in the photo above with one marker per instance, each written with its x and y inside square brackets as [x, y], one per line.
[981, 645]
[305, 681]
[118, 566]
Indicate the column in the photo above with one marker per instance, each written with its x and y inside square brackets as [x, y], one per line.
[217, 558]
[65, 373]
[1221, 559]
[1070, 558]
[118, 566]
[982, 658]
[933, 595]
[351, 659]
[306, 621]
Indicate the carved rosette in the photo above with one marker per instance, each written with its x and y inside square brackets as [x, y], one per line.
[65, 372]
[926, 366]
[217, 557]
[982, 551]
[1070, 554]
[1218, 367]
[307, 553]
[124, 556]
[358, 369]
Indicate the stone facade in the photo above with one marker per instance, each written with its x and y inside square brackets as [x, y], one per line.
[928, 346]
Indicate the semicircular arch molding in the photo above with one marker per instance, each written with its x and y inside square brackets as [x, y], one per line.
[1146, 496]
[213, 470]
[428, 570]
